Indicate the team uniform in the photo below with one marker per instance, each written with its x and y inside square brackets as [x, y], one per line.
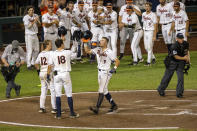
[180, 19]
[61, 61]
[66, 20]
[165, 15]
[96, 29]
[134, 29]
[123, 35]
[50, 33]
[111, 30]
[42, 60]
[31, 39]
[87, 5]
[148, 26]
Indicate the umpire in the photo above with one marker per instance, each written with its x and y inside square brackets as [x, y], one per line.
[175, 61]
[13, 57]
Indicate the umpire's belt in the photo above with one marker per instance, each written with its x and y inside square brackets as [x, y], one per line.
[167, 23]
[180, 29]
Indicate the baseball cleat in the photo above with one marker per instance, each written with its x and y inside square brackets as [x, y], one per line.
[147, 64]
[179, 95]
[113, 108]
[153, 61]
[141, 60]
[161, 93]
[75, 115]
[94, 110]
[42, 110]
[54, 111]
[133, 63]
[58, 117]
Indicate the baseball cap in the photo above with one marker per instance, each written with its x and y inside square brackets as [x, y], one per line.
[129, 8]
[177, 4]
[180, 36]
[109, 5]
[80, 3]
[15, 44]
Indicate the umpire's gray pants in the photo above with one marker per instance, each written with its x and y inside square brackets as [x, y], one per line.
[168, 75]
[123, 37]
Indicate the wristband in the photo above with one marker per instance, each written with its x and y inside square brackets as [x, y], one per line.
[115, 67]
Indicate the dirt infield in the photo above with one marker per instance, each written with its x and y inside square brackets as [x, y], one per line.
[137, 109]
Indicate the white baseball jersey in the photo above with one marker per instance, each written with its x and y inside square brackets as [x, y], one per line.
[124, 7]
[104, 58]
[149, 20]
[131, 19]
[46, 18]
[66, 19]
[165, 13]
[182, 6]
[180, 19]
[27, 20]
[43, 60]
[113, 17]
[61, 60]
[92, 17]
[80, 16]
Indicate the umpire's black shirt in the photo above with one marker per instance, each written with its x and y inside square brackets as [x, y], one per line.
[179, 49]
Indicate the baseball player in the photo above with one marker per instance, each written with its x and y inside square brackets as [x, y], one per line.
[105, 57]
[164, 17]
[110, 27]
[13, 57]
[149, 20]
[51, 23]
[123, 36]
[41, 65]
[130, 25]
[180, 21]
[66, 18]
[31, 22]
[87, 5]
[60, 60]
[101, 6]
[182, 6]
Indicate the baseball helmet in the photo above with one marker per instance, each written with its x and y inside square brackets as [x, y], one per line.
[77, 35]
[62, 31]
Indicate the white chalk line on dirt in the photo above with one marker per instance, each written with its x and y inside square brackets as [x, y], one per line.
[85, 128]
[31, 125]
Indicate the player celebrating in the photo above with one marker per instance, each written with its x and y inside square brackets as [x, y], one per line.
[164, 17]
[180, 21]
[182, 6]
[149, 20]
[130, 24]
[110, 27]
[51, 23]
[42, 60]
[31, 22]
[104, 58]
[61, 60]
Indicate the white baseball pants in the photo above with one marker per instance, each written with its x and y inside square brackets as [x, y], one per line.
[67, 41]
[168, 39]
[148, 44]
[112, 34]
[97, 34]
[44, 88]
[123, 37]
[32, 48]
[135, 48]
[52, 37]
[60, 80]
[103, 81]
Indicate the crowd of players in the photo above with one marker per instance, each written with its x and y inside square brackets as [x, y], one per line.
[64, 23]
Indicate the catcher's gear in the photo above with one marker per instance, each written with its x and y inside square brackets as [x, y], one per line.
[62, 31]
[113, 70]
[77, 35]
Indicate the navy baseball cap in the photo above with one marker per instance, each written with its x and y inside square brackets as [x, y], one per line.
[180, 36]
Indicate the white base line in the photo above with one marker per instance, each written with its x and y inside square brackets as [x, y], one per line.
[86, 128]
[30, 125]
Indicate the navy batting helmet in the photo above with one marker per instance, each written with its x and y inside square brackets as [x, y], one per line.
[87, 35]
[62, 31]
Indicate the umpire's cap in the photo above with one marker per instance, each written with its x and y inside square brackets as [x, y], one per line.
[180, 35]
[62, 31]
[15, 44]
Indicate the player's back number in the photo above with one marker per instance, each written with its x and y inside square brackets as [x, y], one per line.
[61, 59]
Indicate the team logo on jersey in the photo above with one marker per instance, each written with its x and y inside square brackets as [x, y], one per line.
[163, 10]
[50, 18]
[101, 54]
[177, 17]
[31, 19]
[146, 18]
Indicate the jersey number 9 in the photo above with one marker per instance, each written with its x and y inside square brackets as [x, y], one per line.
[61, 59]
